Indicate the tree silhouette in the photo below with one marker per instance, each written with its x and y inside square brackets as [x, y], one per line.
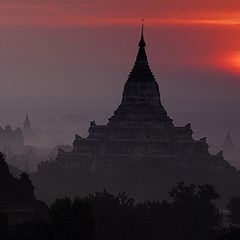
[35, 230]
[72, 219]
[113, 215]
[3, 226]
[234, 207]
[195, 214]
[190, 214]
[231, 233]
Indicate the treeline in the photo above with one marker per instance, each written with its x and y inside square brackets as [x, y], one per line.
[190, 214]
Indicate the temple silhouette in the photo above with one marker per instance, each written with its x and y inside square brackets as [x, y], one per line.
[138, 151]
[229, 145]
[139, 128]
[11, 139]
[27, 126]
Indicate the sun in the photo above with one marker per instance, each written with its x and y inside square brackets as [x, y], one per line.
[227, 61]
[234, 61]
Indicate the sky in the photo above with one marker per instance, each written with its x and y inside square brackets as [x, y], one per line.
[107, 12]
[66, 56]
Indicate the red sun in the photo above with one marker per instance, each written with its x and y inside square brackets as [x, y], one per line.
[225, 61]
[234, 62]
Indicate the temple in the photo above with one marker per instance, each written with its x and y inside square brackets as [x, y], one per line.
[229, 145]
[140, 131]
[11, 140]
[27, 127]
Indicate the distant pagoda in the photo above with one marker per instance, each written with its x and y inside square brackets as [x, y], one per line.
[27, 126]
[229, 145]
[140, 130]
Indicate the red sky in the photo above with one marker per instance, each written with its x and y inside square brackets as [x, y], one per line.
[63, 56]
[109, 12]
[99, 13]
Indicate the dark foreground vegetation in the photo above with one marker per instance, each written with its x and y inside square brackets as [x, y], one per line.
[189, 214]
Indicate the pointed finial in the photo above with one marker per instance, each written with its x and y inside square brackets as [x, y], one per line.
[142, 42]
[27, 123]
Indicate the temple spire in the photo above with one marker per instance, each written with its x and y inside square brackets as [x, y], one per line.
[141, 56]
[27, 124]
[141, 101]
[228, 143]
[142, 43]
[141, 70]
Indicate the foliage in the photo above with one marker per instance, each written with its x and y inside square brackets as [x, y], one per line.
[72, 219]
[234, 208]
[195, 213]
[3, 226]
[190, 215]
[113, 215]
[35, 230]
[231, 233]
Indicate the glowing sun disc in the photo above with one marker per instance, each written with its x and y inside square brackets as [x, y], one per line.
[234, 61]
[228, 62]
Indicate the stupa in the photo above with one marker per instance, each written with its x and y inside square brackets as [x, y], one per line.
[140, 130]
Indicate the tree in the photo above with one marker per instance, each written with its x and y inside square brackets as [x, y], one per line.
[189, 215]
[3, 226]
[234, 207]
[113, 215]
[72, 219]
[231, 233]
[33, 230]
[196, 216]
